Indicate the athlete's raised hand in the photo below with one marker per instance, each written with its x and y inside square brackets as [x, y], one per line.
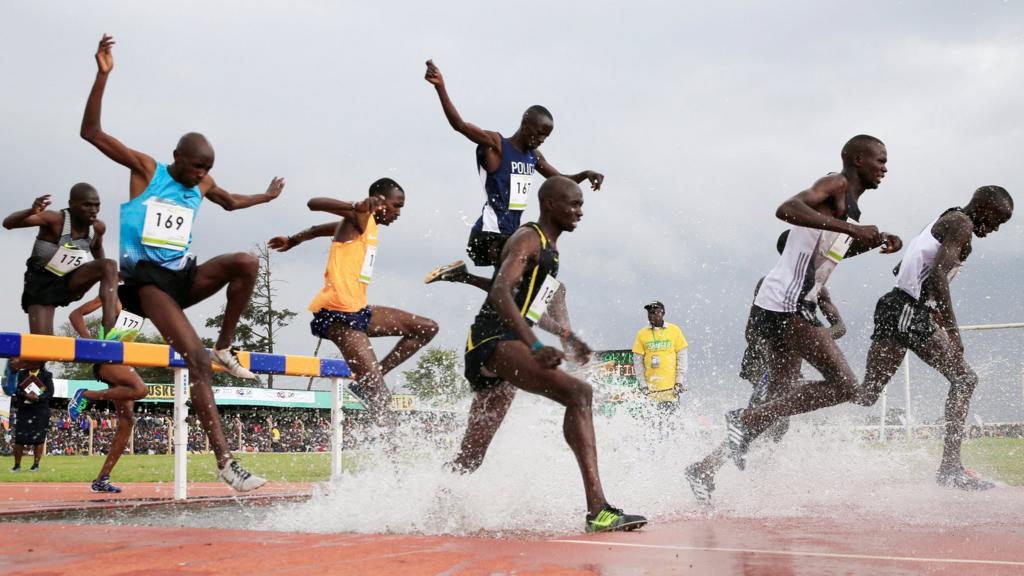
[891, 243]
[275, 188]
[579, 349]
[369, 204]
[433, 74]
[280, 243]
[548, 357]
[595, 178]
[104, 55]
[40, 204]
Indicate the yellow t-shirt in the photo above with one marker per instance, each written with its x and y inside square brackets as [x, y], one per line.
[349, 271]
[659, 347]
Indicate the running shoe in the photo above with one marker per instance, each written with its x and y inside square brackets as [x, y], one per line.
[78, 404]
[228, 360]
[239, 478]
[611, 519]
[360, 392]
[963, 479]
[16, 469]
[447, 273]
[104, 485]
[34, 468]
[701, 482]
[738, 438]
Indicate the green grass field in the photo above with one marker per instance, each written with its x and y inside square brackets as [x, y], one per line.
[300, 467]
[999, 458]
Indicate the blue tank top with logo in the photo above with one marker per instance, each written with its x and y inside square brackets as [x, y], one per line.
[156, 226]
[507, 188]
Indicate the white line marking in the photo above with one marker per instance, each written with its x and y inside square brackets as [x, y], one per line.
[795, 553]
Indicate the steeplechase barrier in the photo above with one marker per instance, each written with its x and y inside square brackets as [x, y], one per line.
[37, 347]
[907, 421]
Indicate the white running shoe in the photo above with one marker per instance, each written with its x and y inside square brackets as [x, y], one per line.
[228, 360]
[239, 478]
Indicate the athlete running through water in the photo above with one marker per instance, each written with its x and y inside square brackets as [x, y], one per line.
[506, 166]
[341, 312]
[503, 353]
[918, 315]
[161, 277]
[825, 230]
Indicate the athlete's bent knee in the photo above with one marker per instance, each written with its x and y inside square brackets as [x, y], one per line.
[246, 263]
[427, 329]
[967, 381]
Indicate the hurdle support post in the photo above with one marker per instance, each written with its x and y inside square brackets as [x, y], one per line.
[906, 394]
[337, 426]
[883, 407]
[180, 434]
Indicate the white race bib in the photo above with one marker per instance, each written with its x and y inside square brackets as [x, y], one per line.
[167, 226]
[68, 258]
[127, 327]
[519, 191]
[366, 273]
[544, 296]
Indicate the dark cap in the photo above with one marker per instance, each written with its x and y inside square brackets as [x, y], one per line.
[654, 304]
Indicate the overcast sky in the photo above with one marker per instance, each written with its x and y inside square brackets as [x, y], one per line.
[703, 117]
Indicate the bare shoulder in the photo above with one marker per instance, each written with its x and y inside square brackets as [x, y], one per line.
[953, 225]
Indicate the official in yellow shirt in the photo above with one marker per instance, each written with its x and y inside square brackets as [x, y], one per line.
[659, 358]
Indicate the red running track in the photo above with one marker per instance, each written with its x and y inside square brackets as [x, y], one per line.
[705, 546]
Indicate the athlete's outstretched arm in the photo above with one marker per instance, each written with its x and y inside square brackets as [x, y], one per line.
[475, 133]
[229, 201]
[837, 328]
[556, 321]
[355, 213]
[801, 210]
[37, 215]
[547, 170]
[286, 243]
[141, 165]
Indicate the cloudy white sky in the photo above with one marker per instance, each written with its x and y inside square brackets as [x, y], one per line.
[703, 116]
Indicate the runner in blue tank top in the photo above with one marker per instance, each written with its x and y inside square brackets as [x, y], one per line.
[506, 166]
[161, 278]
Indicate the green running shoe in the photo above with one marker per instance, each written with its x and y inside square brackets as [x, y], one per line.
[78, 404]
[612, 519]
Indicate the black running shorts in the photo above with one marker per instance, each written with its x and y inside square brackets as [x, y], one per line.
[900, 318]
[175, 283]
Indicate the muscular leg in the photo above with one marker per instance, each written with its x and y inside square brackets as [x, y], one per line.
[236, 271]
[416, 332]
[355, 346]
[37, 453]
[819, 349]
[40, 319]
[474, 280]
[940, 353]
[105, 272]
[125, 384]
[513, 362]
[19, 450]
[485, 416]
[171, 322]
[884, 359]
[125, 425]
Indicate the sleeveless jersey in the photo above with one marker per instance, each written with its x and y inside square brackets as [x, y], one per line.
[919, 261]
[156, 226]
[43, 250]
[532, 294]
[349, 272]
[507, 189]
[807, 261]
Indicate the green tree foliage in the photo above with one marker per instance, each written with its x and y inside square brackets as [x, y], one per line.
[259, 324]
[438, 375]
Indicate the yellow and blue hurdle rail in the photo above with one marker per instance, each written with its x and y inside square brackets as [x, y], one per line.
[63, 349]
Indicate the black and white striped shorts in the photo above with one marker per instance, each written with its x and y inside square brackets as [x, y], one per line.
[900, 318]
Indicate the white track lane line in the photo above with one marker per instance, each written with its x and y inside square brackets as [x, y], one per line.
[796, 553]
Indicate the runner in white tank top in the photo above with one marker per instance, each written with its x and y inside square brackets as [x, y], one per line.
[918, 315]
[825, 230]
